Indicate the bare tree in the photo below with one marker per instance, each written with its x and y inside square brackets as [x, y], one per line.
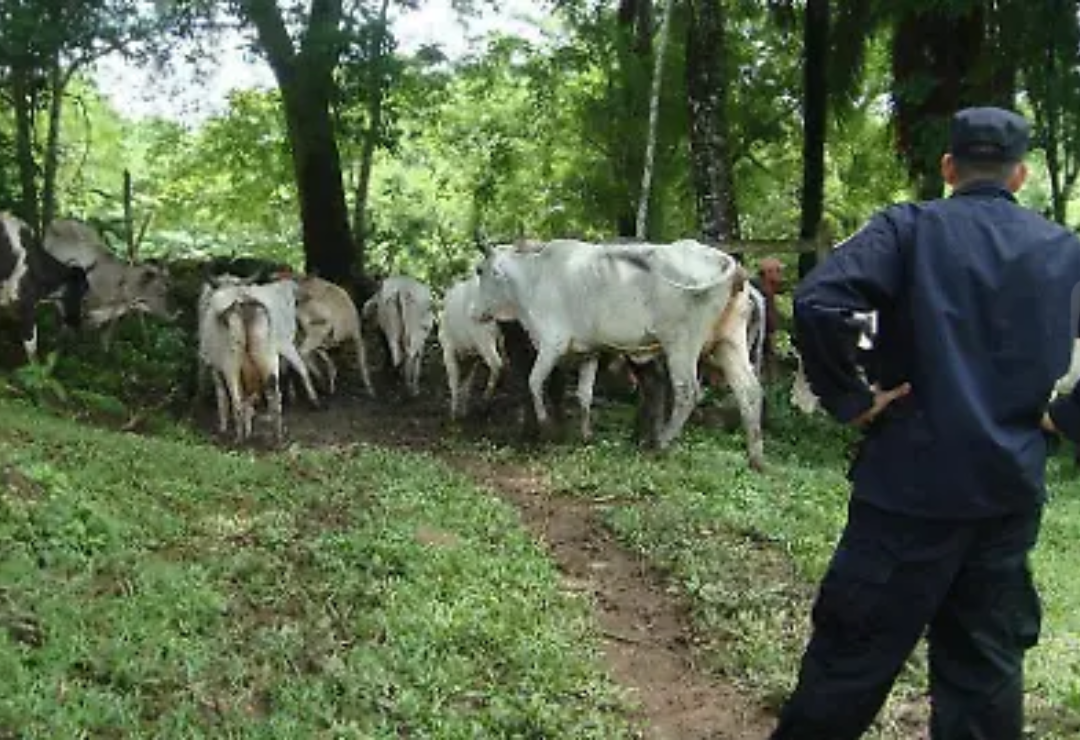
[654, 117]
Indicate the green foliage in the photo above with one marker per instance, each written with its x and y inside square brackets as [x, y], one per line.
[147, 363]
[155, 588]
[516, 141]
[38, 381]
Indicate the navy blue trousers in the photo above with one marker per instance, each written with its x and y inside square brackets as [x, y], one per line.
[966, 585]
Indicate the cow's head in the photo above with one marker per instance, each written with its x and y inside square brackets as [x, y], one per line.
[148, 288]
[493, 300]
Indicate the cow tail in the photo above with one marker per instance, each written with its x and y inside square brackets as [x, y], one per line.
[401, 338]
[250, 377]
[739, 282]
[738, 285]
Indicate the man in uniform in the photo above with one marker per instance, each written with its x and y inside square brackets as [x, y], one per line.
[975, 324]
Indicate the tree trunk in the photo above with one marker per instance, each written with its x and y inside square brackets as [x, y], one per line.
[24, 148]
[328, 246]
[943, 60]
[710, 150]
[815, 122]
[1048, 106]
[654, 117]
[371, 140]
[57, 82]
[306, 81]
[1052, 144]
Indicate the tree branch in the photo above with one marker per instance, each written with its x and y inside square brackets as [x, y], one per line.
[322, 42]
[273, 36]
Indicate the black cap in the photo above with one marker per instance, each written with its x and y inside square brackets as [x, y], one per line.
[989, 135]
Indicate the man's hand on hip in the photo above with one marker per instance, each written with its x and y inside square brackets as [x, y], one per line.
[882, 399]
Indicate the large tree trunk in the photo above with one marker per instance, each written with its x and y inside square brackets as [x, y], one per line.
[1052, 133]
[628, 72]
[710, 150]
[942, 61]
[654, 116]
[376, 58]
[1053, 93]
[815, 122]
[307, 83]
[328, 245]
[24, 148]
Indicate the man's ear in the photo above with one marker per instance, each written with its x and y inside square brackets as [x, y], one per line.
[1018, 177]
[948, 170]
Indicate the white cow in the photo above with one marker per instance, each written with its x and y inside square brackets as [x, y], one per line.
[279, 298]
[402, 307]
[637, 299]
[116, 288]
[236, 342]
[461, 335]
[327, 318]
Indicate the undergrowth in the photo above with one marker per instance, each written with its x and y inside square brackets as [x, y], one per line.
[154, 588]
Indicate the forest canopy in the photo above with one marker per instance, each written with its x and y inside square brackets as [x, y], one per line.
[421, 158]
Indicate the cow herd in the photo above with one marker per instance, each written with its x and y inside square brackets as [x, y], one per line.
[673, 309]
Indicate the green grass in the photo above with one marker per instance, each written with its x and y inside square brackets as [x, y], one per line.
[160, 588]
[748, 551]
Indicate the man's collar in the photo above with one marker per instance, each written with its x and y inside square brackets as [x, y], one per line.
[985, 189]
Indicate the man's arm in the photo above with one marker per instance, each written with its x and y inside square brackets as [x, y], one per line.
[863, 274]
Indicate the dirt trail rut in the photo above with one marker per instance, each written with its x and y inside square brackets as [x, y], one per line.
[647, 638]
[647, 634]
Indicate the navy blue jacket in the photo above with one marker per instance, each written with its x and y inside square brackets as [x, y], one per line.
[974, 300]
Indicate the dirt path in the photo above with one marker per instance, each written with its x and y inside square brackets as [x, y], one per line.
[647, 635]
[647, 638]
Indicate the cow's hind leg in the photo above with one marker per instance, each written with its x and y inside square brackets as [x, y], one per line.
[412, 373]
[453, 379]
[273, 397]
[361, 360]
[586, 382]
[739, 373]
[682, 367]
[470, 382]
[222, 397]
[654, 401]
[239, 404]
[292, 358]
[28, 327]
[331, 368]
